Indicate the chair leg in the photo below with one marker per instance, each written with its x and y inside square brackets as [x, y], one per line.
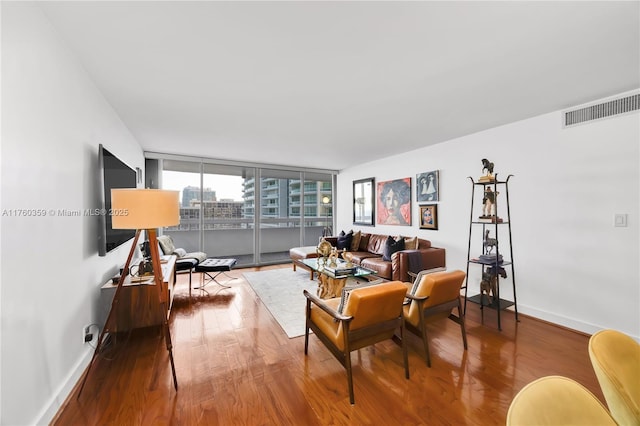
[405, 353]
[425, 341]
[347, 364]
[306, 327]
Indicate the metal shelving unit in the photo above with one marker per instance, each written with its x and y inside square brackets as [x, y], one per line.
[496, 225]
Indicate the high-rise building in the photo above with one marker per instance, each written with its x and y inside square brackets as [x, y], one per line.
[191, 193]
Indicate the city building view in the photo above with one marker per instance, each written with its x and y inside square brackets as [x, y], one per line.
[279, 198]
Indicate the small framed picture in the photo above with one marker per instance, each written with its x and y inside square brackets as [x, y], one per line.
[429, 216]
[427, 186]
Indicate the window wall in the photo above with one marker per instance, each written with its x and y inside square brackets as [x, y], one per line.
[252, 213]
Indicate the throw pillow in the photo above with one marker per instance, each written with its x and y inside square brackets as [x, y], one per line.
[411, 243]
[391, 246]
[344, 240]
[166, 243]
[355, 241]
[180, 252]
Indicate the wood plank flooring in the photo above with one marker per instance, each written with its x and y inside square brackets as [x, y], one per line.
[235, 366]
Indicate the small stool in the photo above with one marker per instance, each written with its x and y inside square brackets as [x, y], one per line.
[185, 265]
[218, 266]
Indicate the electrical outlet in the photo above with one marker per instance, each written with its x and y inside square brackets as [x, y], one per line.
[87, 336]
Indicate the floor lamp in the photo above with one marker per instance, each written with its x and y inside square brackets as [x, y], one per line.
[326, 232]
[142, 209]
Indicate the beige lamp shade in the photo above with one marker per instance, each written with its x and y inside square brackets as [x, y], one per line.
[144, 208]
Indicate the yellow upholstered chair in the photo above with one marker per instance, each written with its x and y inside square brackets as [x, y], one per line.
[557, 401]
[616, 360]
[361, 317]
[433, 297]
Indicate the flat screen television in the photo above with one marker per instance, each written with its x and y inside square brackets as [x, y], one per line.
[113, 174]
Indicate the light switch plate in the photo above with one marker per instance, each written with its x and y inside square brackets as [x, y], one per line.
[620, 220]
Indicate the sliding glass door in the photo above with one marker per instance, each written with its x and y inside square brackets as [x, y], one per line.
[184, 176]
[228, 229]
[251, 213]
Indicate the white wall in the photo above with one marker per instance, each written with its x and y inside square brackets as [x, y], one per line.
[53, 119]
[572, 266]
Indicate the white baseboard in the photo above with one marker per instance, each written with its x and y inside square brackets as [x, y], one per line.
[62, 392]
[563, 321]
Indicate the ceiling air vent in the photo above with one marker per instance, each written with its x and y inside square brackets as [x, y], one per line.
[602, 110]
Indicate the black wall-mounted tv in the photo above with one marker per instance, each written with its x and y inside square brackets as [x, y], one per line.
[113, 174]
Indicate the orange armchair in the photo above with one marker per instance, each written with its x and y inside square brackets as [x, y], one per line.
[433, 297]
[616, 361]
[370, 314]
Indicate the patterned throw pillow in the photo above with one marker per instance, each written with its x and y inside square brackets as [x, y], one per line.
[392, 246]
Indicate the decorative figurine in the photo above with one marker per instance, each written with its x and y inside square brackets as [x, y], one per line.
[489, 283]
[333, 257]
[489, 203]
[323, 250]
[348, 256]
[489, 243]
[487, 167]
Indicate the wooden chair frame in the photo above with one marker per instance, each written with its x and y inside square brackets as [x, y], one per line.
[424, 313]
[353, 339]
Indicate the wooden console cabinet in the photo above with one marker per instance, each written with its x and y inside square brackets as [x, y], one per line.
[139, 305]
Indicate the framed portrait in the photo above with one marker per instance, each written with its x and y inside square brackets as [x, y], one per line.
[394, 202]
[427, 184]
[429, 216]
[363, 201]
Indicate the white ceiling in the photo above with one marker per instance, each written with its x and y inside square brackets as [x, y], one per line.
[333, 84]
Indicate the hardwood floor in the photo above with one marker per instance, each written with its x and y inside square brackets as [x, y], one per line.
[235, 365]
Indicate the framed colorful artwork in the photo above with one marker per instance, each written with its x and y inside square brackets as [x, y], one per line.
[394, 202]
[427, 186]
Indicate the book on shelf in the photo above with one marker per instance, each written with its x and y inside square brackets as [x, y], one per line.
[493, 219]
[489, 259]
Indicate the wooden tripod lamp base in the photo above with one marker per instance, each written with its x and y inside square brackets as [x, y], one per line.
[141, 209]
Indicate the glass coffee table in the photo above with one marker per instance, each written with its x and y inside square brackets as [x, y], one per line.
[330, 283]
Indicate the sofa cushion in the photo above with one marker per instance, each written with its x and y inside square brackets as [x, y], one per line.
[358, 256]
[344, 240]
[391, 246]
[364, 242]
[383, 268]
[376, 243]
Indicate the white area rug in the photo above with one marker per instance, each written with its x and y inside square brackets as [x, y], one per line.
[281, 292]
